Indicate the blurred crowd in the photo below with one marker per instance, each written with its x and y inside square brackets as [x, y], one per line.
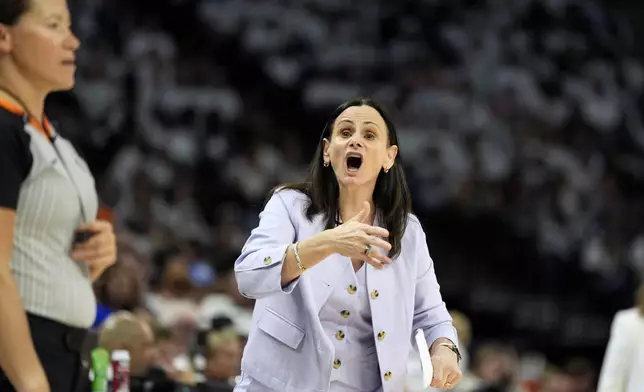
[188, 112]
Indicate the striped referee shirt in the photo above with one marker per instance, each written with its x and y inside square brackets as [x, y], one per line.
[52, 191]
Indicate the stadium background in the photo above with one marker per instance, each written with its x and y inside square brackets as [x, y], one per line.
[521, 127]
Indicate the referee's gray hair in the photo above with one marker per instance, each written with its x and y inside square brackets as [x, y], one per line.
[12, 10]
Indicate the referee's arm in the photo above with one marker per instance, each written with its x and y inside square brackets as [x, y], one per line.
[18, 357]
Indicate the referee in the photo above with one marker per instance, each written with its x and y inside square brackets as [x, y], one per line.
[51, 245]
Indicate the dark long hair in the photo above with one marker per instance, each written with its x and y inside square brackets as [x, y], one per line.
[12, 10]
[391, 194]
[639, 299]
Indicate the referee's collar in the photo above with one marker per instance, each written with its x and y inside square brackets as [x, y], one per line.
[46, 128]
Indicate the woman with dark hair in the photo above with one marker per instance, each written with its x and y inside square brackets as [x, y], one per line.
[337, 304]
[51, 244]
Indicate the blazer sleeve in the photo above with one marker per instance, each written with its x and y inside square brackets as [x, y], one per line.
[430, 312]
[259, 267]
[616, 367]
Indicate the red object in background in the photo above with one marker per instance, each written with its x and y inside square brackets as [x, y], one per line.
[531, 385]
[106, 214]
[120, 371]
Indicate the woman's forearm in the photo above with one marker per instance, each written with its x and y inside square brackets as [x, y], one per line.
[18, 357]
[312, 251]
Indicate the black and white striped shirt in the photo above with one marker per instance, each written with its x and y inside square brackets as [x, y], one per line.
[52, 190]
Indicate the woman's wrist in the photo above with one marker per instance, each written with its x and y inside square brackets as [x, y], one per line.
[321, 245]
[326, 242]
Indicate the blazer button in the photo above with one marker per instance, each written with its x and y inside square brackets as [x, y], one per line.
[339, 335]
[337, 364]
[387, 376]
[374, 294]
[381, 335]
[345, 314]
[352, 289]
[267, 260]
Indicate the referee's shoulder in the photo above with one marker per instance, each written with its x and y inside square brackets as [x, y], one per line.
[12, 128]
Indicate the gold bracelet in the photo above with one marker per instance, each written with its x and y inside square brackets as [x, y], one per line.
[298, 261]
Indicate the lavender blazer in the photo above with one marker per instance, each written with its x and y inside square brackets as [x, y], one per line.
[287, 348]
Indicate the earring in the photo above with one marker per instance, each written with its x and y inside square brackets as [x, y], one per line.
[386, 170]
[326, 163]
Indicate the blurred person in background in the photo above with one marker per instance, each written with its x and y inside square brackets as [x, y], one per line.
[120, 288]
[223, 350]
[557, 380]
[166, 348]
[51, 245]
[124, 331]
[493, 366]
[337, 305]
[171, 299]
[583, 374]
[622, 370]
[226, 299]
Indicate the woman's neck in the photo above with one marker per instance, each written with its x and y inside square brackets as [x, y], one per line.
[16, 90]
[351, 202]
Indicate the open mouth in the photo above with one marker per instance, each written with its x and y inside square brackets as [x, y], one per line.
[354, 162]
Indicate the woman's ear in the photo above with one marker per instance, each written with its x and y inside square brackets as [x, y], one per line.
[325, 151]
[392, 152]
[5, 39]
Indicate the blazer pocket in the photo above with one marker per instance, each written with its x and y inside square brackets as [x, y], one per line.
[277, 326]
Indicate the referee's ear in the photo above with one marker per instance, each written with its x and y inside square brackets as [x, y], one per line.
[5, 39]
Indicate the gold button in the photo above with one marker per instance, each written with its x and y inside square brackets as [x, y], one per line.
[381, 335]
[337, 364]
[374, 294]
[387, 376]
[352, 289]
[339, 335]
[267, 260]
[345, 313]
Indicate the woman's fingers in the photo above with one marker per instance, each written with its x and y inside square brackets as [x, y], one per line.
[376, 258]
[373, 262]
[375, 231]
[379, 257]
[379, 243]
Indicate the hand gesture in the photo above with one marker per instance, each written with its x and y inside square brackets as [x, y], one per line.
[447, 372]
[99, 251]
[358, 240]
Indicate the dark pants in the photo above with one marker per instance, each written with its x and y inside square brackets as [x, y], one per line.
[61, 350]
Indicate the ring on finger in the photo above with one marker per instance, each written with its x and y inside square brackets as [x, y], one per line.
[367, 250]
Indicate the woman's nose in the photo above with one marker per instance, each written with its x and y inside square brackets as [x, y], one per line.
[355, 141]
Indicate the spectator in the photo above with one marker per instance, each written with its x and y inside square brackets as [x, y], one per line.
[118, 289]
[223, 359]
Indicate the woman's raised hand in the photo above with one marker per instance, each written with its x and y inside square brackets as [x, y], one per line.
[358, 240]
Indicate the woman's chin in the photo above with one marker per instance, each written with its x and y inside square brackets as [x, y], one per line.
[352, 179]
